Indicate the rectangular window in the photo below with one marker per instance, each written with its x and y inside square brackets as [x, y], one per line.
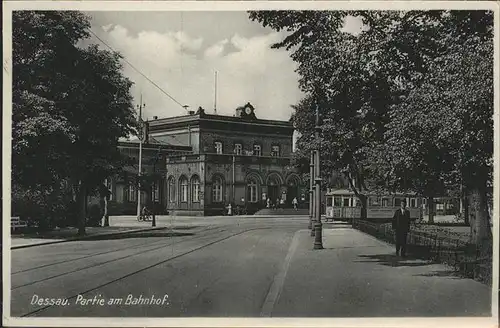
[385, 202]
[329, 201]
[275, 151]
[257, 150]
[218, 147]
[238, 148]
[131, 194]
[397, 202]
[413, 202]
[346, 202]
[337, 201]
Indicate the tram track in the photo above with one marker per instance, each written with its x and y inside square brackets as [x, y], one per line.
[122, 277]
[141, 252]
[149, 243]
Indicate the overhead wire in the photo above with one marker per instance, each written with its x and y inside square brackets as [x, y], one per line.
[137, 70]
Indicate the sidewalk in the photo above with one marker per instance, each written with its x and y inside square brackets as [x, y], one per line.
[356, 275]
[70, 234]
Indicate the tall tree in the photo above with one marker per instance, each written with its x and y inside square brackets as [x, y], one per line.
[380, 87]
[70, 105]
[446, 122]
[353, 78]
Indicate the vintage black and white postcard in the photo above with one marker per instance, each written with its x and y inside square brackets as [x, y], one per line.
[213, 164]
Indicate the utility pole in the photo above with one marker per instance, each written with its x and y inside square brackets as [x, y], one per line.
[141, 138]
[234, 177]
[318, 240]
[153, 193]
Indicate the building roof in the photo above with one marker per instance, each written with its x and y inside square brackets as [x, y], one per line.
[157, 142]
[174, 140]
[229, 122]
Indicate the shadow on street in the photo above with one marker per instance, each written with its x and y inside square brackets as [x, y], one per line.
[393, 260]
[444, 273]
[144, 234]
[94, 232]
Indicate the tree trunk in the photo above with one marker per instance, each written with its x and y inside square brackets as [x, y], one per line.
[430, 206]
[106, 215]
[481, 229]
[82, 205]
[465, 202]
[364, 206]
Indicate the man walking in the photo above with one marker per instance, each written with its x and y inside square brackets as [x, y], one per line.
[401, 226]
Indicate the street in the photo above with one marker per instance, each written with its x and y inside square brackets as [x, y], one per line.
[237, 267]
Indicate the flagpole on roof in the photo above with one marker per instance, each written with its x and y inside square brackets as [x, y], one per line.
[215, 94]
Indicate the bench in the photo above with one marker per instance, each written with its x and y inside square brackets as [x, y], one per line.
[16, 222]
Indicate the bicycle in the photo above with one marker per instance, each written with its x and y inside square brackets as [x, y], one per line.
[145, 217]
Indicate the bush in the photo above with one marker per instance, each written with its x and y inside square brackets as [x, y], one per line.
[44, 209]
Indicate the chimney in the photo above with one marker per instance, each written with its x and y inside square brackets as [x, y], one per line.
[155, 117]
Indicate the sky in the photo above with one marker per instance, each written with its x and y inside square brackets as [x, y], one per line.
[181, 51]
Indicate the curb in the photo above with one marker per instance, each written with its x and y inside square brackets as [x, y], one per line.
[272, 216]
[86, 237]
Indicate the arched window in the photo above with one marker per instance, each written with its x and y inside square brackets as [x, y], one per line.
[195, 189]
[171, 190]
[252, 191]
[217, 190]
[183, 182]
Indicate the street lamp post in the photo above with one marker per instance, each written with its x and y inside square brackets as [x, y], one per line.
[318, 240]
[153, 223]
[141, 137]
[312, 203]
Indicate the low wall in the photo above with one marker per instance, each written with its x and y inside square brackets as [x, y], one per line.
[462, 256]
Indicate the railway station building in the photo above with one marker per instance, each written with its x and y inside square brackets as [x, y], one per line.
[202, 162]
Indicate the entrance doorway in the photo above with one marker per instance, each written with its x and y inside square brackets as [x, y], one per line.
[292, 191]
[273, 192]
[273, 189]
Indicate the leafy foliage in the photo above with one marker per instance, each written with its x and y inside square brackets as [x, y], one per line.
[406, 104]
[70, 104]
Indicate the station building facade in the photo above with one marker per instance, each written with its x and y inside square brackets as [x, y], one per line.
[203, 162]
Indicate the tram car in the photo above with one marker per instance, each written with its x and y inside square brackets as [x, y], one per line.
[343, 205]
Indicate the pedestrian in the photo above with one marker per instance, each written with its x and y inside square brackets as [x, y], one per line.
[295, 202]
[401, 227]
[277, 203]
[268, 203]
